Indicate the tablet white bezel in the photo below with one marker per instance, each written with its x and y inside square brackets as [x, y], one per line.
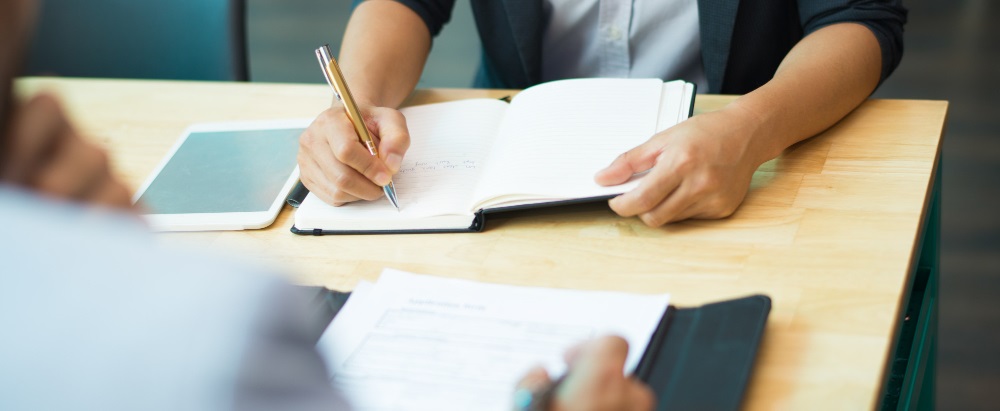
[221, 221]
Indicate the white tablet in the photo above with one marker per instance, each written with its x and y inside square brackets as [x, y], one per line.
[224, 176]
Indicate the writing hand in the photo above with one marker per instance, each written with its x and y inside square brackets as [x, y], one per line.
[700, 168]
[46, 154]
[335, 166]
[595, 381]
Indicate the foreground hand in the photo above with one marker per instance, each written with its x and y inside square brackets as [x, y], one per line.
[16, 20]
[47, 155]
[335, 166]
[595, 381]
[700, 168]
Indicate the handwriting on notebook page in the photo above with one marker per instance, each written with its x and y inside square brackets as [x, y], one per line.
[448, 145]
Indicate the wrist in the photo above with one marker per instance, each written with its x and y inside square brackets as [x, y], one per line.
[363, 101]
[372, 89]
[368, 100]
[754, 126]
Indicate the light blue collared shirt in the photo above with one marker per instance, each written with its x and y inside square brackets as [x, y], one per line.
[623, 38]
[94, 315]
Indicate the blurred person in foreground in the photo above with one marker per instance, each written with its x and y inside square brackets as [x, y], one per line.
[96, 316]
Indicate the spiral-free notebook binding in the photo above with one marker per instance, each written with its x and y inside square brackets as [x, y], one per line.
[699, 358]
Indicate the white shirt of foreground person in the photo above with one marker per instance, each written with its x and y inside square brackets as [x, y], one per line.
[94, 316]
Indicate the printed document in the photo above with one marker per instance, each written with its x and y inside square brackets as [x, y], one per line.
[414, 342]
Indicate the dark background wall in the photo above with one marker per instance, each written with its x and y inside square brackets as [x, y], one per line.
[952, 53]
[283, 35]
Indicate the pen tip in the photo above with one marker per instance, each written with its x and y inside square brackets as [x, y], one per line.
[390, 193]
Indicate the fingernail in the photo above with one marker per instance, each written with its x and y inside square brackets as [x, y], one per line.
[394, 161]
[601, 176]
[614, 202]
[617, 201]
[382, 179]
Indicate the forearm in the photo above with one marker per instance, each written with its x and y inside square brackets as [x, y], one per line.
[703, 167]
[17, 17]
[383, 53]
[822, 79]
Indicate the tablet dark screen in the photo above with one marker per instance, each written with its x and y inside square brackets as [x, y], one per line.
[224, 172]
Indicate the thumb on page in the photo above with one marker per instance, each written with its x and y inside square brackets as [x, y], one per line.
[394, 138]
[636, 160]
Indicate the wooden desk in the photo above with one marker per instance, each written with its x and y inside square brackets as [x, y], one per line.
[831, 230]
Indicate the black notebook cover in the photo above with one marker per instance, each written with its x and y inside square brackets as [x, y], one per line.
[478, 222]
[699, 358]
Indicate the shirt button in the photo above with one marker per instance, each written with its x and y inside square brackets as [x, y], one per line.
[614, 33]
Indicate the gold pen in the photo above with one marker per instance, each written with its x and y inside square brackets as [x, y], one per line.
[336, 80]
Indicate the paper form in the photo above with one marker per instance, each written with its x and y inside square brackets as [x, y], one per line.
[413, 342]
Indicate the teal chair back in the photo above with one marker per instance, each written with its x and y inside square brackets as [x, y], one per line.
[172, 39]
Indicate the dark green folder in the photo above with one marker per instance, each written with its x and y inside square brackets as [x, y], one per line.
[700, 358]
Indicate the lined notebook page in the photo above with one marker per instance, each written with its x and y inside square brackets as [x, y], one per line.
[556, 136]
[449, 144]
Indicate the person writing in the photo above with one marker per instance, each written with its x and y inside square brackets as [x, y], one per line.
[799, 66]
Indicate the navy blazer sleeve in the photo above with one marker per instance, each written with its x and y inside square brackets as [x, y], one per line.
[435, 13]
[885, 18]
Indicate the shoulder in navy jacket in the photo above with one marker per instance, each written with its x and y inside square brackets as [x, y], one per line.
[743, 41]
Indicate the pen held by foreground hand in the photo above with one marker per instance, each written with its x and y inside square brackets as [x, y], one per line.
[538, 399]
[335, 78]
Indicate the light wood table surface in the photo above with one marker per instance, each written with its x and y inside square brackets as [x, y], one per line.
[828, 230]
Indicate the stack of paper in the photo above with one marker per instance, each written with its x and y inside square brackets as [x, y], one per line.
[412, 342]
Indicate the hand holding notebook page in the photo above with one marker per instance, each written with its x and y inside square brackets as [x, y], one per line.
[481, 154]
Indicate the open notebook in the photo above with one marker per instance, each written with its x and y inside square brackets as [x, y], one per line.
[472, 157]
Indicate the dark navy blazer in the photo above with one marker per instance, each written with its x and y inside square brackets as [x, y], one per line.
[742, 41]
